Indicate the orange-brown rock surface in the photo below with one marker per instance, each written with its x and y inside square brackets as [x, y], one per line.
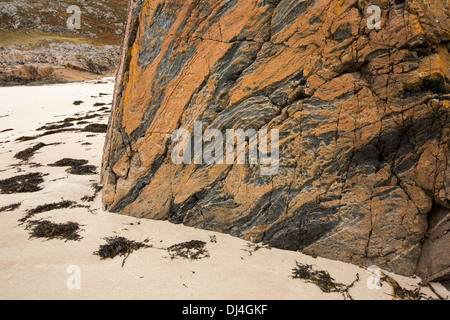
[362, 114]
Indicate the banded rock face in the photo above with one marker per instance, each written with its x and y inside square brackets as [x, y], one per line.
[363, 120]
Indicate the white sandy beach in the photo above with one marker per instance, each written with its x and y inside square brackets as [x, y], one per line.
[33, 268]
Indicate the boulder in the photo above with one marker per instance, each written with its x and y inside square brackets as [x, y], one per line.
[362, 115]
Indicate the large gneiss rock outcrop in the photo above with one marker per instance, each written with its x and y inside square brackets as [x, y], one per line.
[362, 113]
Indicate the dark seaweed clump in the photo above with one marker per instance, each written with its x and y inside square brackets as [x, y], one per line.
[77, 166]
[55, 126]
[96, 128]
[22, 184]
[45, 208]
[46, 133]
[10, 207]
[118, 246]
[322, 279]
[67, 162]
[83, 170]
[193, 250]
[88, 198]
[49, 230]
[86, 117]
[28, 153]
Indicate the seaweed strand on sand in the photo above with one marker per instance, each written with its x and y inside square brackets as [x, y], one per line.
[255, 247]
[46, 207]
[322, 279]
[28, 153]
[400, 293]
[97, 188]
[10, 207]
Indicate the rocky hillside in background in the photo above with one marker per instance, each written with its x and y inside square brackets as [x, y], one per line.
[36, 44]
[363, 116]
